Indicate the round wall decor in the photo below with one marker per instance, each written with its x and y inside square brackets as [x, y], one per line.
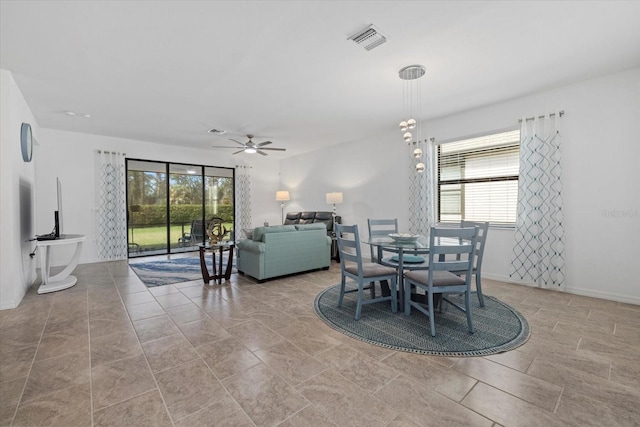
[26, 142]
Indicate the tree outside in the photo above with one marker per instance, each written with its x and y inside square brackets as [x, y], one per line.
[147, 203]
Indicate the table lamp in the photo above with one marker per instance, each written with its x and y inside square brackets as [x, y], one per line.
[282, 196]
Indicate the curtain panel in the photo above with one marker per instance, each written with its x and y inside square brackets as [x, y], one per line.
[112, 215]
[421, 202]
[243, 201]
[539, 246]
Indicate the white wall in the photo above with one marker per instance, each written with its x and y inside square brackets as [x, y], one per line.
[265, 181]
[17, 203]
[367, 172]
[73, 158]
[601, 154]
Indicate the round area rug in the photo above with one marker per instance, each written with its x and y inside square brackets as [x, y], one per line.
[499, 327]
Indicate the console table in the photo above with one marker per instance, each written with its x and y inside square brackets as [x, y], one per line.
[62, 280]
[220, 248]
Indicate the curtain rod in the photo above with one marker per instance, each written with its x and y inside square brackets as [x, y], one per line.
[110, 152]
[561, 113]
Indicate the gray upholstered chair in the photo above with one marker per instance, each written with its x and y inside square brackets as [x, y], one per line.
[442, 276]
[363, 273]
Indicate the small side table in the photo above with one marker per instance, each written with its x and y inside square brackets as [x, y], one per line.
[219, 248]
[62, 280]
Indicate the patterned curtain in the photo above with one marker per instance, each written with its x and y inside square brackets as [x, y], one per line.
[243, 201]
[421, 202]
[538, 251]
[112, 218]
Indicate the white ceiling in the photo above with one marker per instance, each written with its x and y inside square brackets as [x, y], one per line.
[168, 71]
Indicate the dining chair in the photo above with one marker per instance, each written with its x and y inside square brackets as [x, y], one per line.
[380, 228]
[441, 277]
[364, 273]
[483, 228]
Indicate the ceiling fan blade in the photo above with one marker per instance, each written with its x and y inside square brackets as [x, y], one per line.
[221, 146]
[262, 152]
[240, 151]
[274, 149]
[236, 141]
[262, 144]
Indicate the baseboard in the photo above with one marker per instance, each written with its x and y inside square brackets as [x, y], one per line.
[505, 279]
[8, 306]
[629, 299]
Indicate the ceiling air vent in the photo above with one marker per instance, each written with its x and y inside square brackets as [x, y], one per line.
[368, 38]
[217, 131]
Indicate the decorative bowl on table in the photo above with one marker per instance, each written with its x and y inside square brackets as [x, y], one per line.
[404, 237]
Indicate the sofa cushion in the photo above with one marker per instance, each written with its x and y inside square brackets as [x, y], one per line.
[292, 218]
[307, 217]
[323, 216]
[248, 232]
[313, 226]
[258, 232]
[326, 218]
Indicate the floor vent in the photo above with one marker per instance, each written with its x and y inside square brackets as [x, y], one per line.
[368, 38]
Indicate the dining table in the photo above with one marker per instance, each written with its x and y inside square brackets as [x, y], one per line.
[416, 251]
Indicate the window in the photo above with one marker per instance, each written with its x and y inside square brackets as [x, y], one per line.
[478, 179]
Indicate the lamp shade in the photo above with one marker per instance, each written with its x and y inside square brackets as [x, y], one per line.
[281, 196]
[334, 198]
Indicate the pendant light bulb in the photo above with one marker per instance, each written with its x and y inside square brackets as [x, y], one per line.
[420, 167]
[408, 136]
[403, 126]
[411, 123]
[417, 153]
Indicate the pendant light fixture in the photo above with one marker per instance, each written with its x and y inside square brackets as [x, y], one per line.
[412, 104]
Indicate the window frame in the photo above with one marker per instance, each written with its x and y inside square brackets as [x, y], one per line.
[461, 181]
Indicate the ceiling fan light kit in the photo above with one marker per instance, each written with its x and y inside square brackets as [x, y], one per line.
[251, 147]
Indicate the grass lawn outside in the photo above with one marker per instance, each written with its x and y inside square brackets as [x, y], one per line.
[156, 237]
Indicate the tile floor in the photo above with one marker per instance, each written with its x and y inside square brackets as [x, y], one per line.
[110, 352]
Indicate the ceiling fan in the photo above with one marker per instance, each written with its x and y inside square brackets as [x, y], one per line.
[251, 147]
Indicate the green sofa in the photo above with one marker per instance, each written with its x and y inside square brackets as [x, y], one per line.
[284, 249]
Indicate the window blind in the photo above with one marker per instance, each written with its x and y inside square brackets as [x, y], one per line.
[478, 178]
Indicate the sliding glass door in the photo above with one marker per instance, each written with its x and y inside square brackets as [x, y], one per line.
[185, 207]
[219, 197]
[169, 205]
[146, 207]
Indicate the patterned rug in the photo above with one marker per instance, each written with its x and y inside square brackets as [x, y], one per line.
[165, 272]
[499, 328]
